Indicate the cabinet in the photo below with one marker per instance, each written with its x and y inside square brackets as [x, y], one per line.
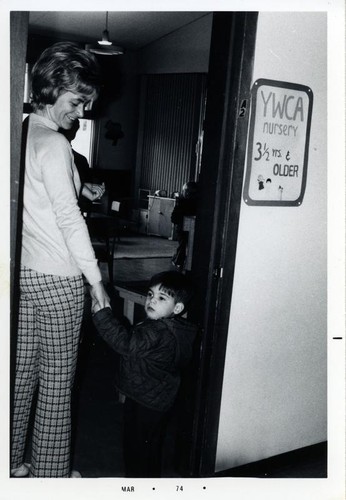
[159, 216]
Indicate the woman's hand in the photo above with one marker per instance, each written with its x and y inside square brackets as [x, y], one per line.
[93, 192]
[99, 297]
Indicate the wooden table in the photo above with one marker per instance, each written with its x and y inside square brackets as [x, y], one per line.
[133, 292]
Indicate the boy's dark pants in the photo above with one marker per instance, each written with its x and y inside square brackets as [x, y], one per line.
[144, 431]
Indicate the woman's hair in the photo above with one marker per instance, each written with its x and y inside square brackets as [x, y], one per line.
[175, 284]
[64, 67]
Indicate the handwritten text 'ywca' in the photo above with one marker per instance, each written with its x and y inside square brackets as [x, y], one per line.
[282, 108]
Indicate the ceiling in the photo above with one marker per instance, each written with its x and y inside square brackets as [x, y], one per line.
[131, 30]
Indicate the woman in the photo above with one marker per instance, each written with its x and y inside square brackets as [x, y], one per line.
[56, 251]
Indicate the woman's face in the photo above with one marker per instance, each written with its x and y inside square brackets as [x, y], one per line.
[67, 108]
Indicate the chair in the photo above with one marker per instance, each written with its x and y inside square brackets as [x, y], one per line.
[103, 226]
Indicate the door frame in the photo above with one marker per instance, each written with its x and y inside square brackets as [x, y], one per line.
[221, 180]
[19, 22]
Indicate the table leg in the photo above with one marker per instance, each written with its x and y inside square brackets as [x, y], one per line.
[129, 310]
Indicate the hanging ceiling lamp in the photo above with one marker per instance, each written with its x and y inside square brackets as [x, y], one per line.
[105, 47]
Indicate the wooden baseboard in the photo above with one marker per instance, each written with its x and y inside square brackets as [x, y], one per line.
[300, 463]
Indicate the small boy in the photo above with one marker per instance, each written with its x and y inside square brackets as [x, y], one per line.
[152, 355]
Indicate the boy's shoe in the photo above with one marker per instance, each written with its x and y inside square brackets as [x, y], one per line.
[75, 474]
[21, 471]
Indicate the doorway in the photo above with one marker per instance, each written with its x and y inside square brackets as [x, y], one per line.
[222, 169]
[224, 144]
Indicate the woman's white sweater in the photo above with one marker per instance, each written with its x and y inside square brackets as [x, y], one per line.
[55, 238]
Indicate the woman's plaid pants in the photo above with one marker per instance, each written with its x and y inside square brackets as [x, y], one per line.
[50, 316]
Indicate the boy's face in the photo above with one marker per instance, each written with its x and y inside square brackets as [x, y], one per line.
[159, 304]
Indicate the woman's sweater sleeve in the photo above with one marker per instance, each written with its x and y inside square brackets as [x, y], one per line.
[57, 175]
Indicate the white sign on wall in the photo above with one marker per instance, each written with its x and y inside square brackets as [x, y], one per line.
[278, 145]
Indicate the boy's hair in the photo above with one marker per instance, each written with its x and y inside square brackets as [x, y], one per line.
[175, 284]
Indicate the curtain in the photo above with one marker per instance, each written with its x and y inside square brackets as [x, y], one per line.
[170, 125]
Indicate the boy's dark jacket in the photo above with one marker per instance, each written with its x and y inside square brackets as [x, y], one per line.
[152, 355]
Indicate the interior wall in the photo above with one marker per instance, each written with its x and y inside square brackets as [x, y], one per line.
[275, 380]
[183, 51]
[120, 113]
